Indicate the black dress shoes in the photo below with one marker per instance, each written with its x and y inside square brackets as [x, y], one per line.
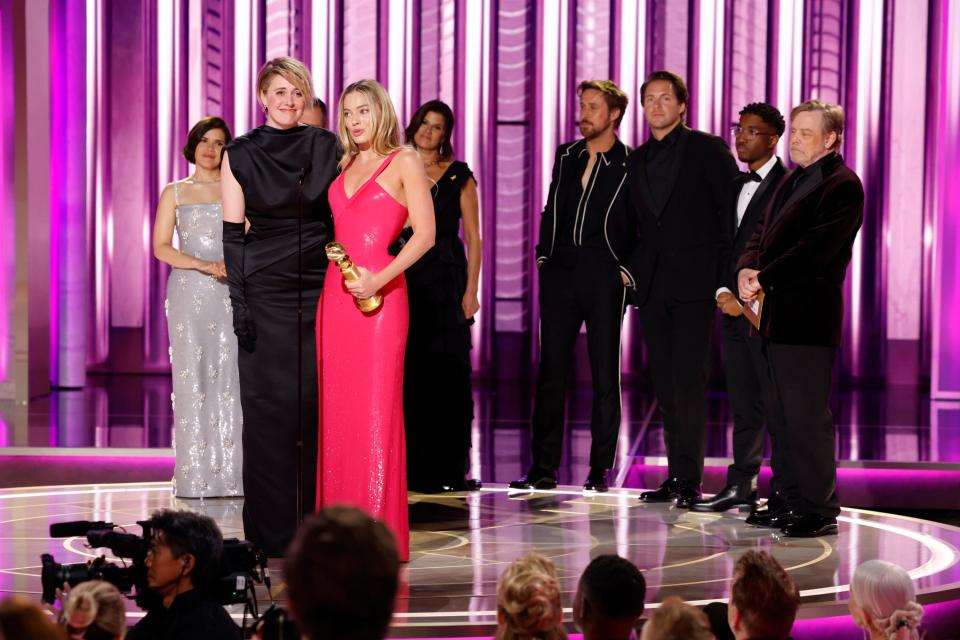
[682, 492]
[536, 480]
[596, 481]
[666, 493]
[687, 494]
[463, 485]
[809, 525]
[728, 498]
[776, 519]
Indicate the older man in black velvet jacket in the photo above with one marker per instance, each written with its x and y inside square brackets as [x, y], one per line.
[798, 258]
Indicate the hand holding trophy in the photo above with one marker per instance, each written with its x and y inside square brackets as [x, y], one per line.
[337, 254]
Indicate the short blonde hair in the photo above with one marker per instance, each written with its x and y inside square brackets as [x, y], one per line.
[291, 70]
[833, 117]
[97, 604]
[385, 134]
[528, 601]
[674, 619]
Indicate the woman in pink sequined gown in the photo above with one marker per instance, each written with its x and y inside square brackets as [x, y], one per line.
[362, 457]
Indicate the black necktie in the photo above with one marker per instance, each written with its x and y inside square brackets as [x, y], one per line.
[753, 176]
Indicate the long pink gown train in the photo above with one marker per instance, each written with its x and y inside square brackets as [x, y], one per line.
[362, 454]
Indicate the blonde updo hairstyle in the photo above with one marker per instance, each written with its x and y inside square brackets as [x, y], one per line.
[528, 601]
[385, 128]
[885, 593]
[97, 607]
[291, 70]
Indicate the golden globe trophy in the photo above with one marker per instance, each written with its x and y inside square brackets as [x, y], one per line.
[337, 254]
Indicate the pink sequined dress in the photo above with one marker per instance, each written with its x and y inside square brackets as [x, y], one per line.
[362, 453]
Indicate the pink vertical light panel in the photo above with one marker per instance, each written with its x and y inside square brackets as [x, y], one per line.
[746, 72]
[361, 38]
[69, 283]
[127, 67]
[97, 186]
[902, 239]
[945, 182]
[7, 214]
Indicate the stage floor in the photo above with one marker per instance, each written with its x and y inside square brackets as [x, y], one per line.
[462, 542]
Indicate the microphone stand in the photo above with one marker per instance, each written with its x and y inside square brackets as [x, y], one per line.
[302, 175]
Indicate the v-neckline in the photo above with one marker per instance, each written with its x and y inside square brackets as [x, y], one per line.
[369, 179]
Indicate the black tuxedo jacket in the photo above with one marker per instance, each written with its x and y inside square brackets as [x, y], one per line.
[802, 248]
[604, 204]
[681, 244]
[605, 207]
[736, 236]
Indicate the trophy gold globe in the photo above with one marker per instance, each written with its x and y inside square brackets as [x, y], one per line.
[337, 254]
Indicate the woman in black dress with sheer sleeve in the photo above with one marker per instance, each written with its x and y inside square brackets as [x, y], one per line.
[271, 282]
[442, 292]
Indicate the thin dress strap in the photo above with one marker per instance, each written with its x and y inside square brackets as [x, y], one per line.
[384, 165]
[176, 193]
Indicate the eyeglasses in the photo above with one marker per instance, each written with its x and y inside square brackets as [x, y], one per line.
[750, 132]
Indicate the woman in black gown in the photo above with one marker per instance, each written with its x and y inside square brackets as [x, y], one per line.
[271, 285]
[442, 292]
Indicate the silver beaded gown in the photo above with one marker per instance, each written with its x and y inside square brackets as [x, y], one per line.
[203, 357]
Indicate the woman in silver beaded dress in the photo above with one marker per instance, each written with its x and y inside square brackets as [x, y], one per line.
[203, 349]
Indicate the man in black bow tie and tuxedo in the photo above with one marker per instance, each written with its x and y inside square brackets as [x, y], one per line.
[798, 257]
[757, 134]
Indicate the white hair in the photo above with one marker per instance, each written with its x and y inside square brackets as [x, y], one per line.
[885, 591]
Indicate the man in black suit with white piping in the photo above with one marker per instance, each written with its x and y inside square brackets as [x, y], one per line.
[586, 233]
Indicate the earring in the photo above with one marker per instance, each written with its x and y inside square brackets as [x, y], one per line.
[265, 109]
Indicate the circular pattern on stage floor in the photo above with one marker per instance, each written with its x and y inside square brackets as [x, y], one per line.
[461, 543]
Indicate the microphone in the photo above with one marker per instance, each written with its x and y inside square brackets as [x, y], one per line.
[77, 528]
[302, 173]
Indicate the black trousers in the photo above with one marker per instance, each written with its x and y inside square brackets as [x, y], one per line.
[748, 387]
[576, 287]
[801, 377]
[677, 337]
[268, 394]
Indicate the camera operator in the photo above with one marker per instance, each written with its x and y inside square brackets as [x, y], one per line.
[182, 566]
[341, 572]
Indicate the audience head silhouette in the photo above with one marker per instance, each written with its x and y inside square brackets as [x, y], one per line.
[528, 601]
[883, 601]
[674, 619]
[763, 598]
[341, 572]
[609, 599]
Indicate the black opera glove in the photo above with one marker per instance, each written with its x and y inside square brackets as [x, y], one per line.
[233, 242]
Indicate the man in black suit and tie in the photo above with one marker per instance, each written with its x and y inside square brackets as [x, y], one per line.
[586, 233]
[679, 183]
[798, 257]
[757, 135]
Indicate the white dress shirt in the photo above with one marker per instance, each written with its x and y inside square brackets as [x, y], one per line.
[743, 201]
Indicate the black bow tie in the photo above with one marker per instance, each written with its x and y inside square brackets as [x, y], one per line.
[753, 176]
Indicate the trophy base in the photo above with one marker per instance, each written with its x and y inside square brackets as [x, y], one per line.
[370, 304]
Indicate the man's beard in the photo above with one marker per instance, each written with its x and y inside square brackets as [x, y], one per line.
[592, 131]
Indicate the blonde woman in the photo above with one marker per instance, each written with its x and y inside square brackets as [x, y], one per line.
[382, 188]
[275, 178]
[528, 601]
[94, 610]
[883, 602]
